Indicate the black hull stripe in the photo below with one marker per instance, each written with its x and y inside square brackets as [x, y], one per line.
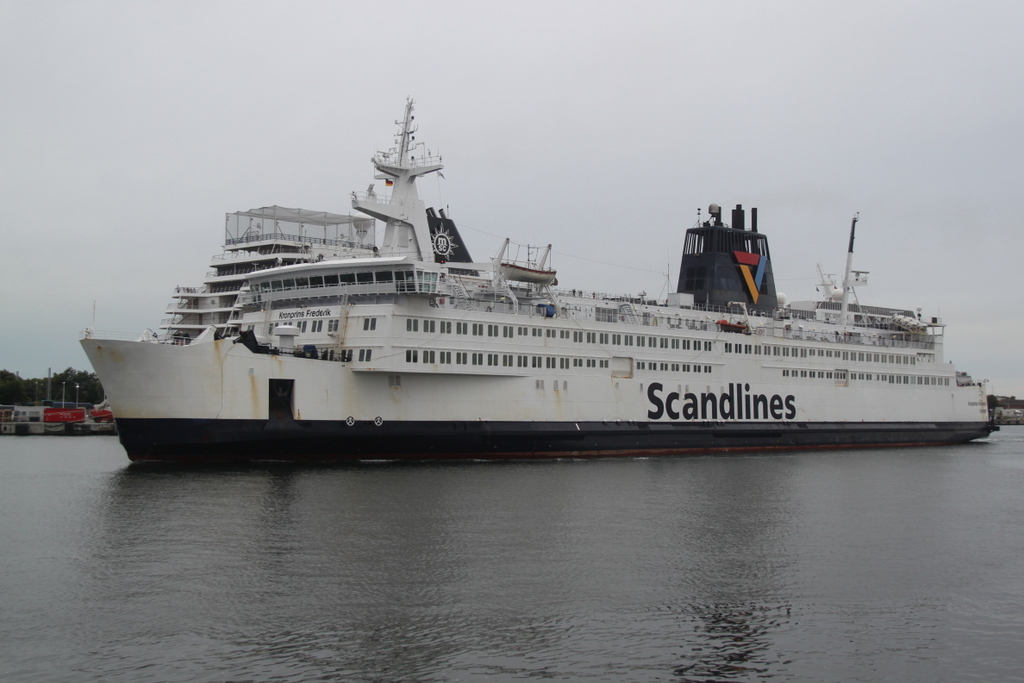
[218, 441]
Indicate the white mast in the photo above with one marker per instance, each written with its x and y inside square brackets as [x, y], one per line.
[407, 232]
[847, 279]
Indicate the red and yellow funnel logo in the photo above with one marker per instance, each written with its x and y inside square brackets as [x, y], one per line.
[747, 262]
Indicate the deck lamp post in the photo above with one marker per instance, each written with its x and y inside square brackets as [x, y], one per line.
[76, 395]
[62, 391]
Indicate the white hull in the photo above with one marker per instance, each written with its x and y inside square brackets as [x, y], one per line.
[223, 380]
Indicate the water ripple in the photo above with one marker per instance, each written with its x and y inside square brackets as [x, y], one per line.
[885, 565]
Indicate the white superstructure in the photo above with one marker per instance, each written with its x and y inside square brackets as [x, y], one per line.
[256, 240]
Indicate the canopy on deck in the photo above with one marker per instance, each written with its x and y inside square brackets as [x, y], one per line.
[304, 216]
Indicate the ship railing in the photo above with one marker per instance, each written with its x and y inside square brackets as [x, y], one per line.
[115, 335]
[617, 301]
[878, 311]
[190, 290]
[500, 305]
[418, 161]
[243, 256]
[421, 160]
[681, 321]
[711, 308]
[233, 272]
[228, 256]
[300, 239]
[372, 197]
[240, 273]
[609, 297]
[241, 270]
[321, 291]
[900, 343]
[221, 289]
[188, 319]
[856, 338]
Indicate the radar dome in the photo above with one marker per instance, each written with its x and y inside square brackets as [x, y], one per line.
[836, 294]
[782, 299]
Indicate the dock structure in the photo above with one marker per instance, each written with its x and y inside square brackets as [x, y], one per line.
[66, 419]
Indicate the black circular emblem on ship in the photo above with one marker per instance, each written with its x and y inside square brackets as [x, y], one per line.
[443, 244]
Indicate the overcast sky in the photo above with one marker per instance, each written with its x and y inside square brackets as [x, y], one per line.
[129, 129]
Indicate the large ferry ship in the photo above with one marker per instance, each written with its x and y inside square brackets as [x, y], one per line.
[309, 341]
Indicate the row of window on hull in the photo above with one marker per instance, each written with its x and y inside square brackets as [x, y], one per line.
[509, 360]
[580, 337]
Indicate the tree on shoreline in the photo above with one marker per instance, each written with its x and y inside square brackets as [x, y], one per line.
[15, 390]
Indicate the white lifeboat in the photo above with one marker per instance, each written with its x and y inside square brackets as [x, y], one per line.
[517, 273]
[905, 322]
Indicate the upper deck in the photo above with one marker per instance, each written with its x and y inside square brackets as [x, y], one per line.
[320, 230]
[380, 280]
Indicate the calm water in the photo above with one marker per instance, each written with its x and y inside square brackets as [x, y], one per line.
[855, 566]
